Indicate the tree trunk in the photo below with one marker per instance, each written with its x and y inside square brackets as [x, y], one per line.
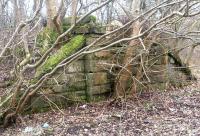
[51, 12]
[74, 10]
[16, 12]
[125, 74]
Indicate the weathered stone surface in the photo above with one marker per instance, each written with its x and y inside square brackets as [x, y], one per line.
[97, 66]
[157, 60]
[65, 79]
[157, 49]
[76, 86]
[104, 54]
[99, 30]
[100, 89]
[91, 39]
[75, 96]
[158, 78]
[158, 69]
[75, 67]
[177, 78]
[41, 103]
[82, 30]
[98, 78]
[71, 78]
[107, 55]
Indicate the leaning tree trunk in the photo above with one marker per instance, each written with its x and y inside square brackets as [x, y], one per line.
[126, 73]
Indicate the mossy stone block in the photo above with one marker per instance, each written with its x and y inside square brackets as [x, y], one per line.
[69, 48]
[41, 104]
[69, 88]
[75, 96]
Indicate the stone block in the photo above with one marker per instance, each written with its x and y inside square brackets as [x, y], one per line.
[157, 73]
[156, 49]
[77, 86]
[100, 89]
[41, 103]
[104, 54]
[157, 69]
[110, 54]
[97, 78]
[77, 66]
[158, 78]
[99, 30]
[157, 60]
[63, 78]
[90, 39]
[70, 78]
[81, 30]
[97, 66]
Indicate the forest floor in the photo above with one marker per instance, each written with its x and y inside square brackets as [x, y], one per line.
[173, 112]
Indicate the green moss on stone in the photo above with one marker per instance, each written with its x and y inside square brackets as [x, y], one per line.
[85, 24]
[93, 18]
[65, 51]
[88, 19]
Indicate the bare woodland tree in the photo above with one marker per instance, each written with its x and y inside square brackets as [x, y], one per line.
[125, 73]
[74, 11]
[161, 16]
[51, 11]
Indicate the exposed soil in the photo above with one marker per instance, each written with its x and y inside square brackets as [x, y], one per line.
[173, 112]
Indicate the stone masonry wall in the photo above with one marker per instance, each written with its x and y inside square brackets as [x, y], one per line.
[87, 78]
[84, 80]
